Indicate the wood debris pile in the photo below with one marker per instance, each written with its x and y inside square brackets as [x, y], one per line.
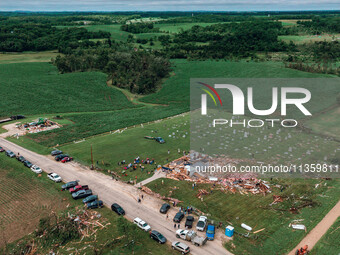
[202, 192]
[89, 222]
[151, 193]
[246, 186]
[277, 199]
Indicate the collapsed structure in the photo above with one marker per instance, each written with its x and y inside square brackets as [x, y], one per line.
[37, 126]
[182, 169]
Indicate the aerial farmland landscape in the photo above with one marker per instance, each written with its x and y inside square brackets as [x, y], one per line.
[180, 127]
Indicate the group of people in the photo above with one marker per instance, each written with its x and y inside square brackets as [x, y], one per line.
[137, 162]
[187, 210]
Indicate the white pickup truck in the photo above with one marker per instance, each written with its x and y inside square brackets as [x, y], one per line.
[142, 224]
[192, 236]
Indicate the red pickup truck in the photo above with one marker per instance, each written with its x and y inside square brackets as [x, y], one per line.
[79, 187]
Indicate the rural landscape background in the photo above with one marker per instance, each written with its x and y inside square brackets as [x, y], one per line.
[111, 79]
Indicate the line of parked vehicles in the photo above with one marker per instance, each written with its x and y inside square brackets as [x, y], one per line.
[92, 202]
[36, 169]
[82, 191]
[185, 234]
[59, 156]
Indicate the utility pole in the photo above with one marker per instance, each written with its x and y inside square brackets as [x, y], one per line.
[91, 158]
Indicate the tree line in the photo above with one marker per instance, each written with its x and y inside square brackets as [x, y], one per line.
[228, 40]
[40, 37]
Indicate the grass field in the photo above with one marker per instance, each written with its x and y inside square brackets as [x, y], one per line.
[110, 149]
[26, 198]
[330, 242]
[277, 238]
[43, 56]
[274, 145]
[327, 123]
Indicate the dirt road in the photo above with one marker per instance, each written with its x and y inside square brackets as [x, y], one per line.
[111, 191]
[315, 235]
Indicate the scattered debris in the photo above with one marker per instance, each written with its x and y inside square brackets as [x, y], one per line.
[37, 126]
[202, 192]
[150, 192]
[89, 221]
[277, 199]
[299, 227]
[245, 226]
[258, 231]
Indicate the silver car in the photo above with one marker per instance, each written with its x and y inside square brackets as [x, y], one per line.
[36, 169]
[182, 247]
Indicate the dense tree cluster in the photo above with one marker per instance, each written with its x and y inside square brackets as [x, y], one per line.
[228, 40]
[138, 71]
[141, 27]
[39, 37]
[319, 25]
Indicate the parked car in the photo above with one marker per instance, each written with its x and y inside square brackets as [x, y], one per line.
[164, 208]
[54, 177]
[159, 139]
[202, 222]
[78, 187]
[95, 204]
[142, 224]
[81, 194]
[182, 247]
[118, 209]
[27, 164]
[56, 152]
[60, 157]
[66, 159]
[189, 222]
[2, 149]
[10, 154]
[21, 159]
[178, 217]
[155, 235]
[210, 232]
[36, 169]
[90, 199]
[69, 185]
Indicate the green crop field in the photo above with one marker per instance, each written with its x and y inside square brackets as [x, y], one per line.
[330, 242]
[176, 88]
[37, 88]
[278, 237]
[95, 108]
[26, 198]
